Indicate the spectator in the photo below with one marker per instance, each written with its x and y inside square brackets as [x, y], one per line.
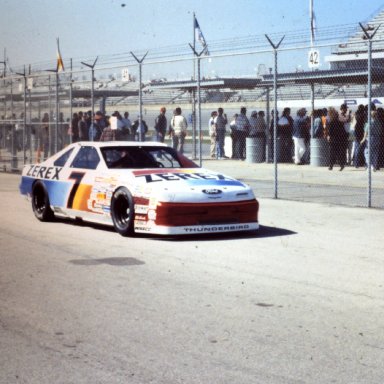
[375, 140]
[220, 123]
[336, 138]
[161, 125]
[324, 120]
[318, 129]
[212, 134]
[178, 130]
[345, 116]
[261, 125]
[300, 134]
[108, 133]
[74, 130]
[284, 135]
[83, 130]
[380, 117]
[96, 128]
[359, 123]
[242, 130]
[139, 130]
[252, 124]
[126, 129]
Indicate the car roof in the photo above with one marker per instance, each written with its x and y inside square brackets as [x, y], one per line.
[101, 144]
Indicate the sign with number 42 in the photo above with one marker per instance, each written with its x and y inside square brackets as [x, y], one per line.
[313, 58]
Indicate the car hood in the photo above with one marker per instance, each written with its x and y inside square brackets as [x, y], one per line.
[186, 185]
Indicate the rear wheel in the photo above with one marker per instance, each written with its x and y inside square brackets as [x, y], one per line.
[122, 211]
[40, 202]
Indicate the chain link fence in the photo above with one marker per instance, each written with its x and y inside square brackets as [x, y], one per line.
[279, 115]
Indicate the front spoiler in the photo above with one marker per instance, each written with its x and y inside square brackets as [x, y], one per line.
[197, 229]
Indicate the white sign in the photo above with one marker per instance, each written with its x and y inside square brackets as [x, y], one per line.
[125, 74]
[313, 58]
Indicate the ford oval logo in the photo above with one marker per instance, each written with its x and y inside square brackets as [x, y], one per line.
[212, 191]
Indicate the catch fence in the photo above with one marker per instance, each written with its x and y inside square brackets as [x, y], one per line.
[37, 109]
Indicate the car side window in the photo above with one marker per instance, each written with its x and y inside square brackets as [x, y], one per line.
[60, 162]
[86, 158]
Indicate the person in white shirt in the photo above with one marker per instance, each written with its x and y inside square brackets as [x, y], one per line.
[178, 130]
[212, 134]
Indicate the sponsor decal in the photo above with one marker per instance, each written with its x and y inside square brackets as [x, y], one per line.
[152, 176]
[41, 172]
[212, 191]
[141, 209]
[142, 229]
[217, 228]
[111, 180]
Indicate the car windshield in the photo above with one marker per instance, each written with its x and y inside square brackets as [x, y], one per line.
[142, 157]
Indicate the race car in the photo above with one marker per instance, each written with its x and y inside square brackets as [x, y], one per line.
[138, 187]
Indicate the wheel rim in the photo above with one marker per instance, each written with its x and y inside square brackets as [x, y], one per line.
[122, 212]
[39, 202]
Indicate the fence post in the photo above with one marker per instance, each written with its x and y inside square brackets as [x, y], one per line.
[369, 69]
[92, 66]
[70, 105]
[198, 58]
[275, 48]
[140, 62]
[24, 114]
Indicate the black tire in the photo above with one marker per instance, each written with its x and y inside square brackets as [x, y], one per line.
[40, 202]
[122, 211]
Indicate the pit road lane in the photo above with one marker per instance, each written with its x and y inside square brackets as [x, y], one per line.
[300, 302]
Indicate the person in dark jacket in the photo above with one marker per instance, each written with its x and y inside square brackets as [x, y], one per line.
[161, 125]
[336, 138]
[359, 123]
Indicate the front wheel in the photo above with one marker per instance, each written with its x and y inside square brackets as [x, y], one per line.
[122, 211]
[40, 202]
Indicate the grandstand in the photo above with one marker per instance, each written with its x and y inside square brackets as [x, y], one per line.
[344, 81]
[353, 54]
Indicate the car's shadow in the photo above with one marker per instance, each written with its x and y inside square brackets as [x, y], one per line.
[263, 232]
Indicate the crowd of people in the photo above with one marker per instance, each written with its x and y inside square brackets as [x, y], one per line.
[120, 128]
[344, 131]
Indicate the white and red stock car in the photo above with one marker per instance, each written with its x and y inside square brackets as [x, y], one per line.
[138, 187]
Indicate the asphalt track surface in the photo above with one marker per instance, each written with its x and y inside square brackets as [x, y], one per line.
[301, 301]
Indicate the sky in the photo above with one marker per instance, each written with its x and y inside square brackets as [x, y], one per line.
[87, 28]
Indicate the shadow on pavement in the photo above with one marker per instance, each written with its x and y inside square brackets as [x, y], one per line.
[262, 232]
